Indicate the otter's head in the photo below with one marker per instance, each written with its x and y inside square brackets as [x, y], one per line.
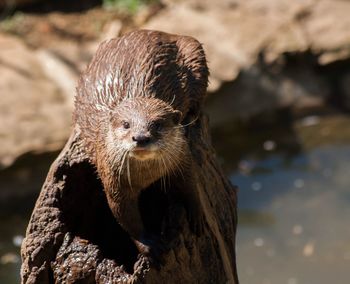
[145, 129]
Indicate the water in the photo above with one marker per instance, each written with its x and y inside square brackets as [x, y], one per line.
[19, 188]
[294, 219]
[11, 233]
[294, 206]
[294, 200]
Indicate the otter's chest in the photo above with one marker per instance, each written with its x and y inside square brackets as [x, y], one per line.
[139, 175]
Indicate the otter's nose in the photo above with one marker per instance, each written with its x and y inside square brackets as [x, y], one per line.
[141, 139]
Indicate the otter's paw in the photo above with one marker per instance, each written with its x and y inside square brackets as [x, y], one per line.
[153, 248]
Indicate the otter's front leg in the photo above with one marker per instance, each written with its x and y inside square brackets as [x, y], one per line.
[148, 244]
[127, 213]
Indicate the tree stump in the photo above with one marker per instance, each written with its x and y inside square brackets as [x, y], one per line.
[72, 236]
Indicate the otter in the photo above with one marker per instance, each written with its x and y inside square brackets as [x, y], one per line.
[134, 104]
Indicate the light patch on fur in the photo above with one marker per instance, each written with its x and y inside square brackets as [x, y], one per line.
[146, 153]
[143, 155]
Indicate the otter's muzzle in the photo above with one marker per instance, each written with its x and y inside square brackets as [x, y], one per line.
[141, 140]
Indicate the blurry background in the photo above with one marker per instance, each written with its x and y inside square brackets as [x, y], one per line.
[278, 100]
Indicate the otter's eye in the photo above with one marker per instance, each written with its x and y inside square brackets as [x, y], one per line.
[158, 126]
[126, 125]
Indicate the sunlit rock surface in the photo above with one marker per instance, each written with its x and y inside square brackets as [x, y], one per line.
[36, 100]
[268, 54]
[235, 32]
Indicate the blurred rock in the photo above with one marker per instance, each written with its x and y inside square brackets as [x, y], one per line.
[16, 3]
[263, 55]
[263, 88]
[345, 90]
[36, 100]
[235, 32]
[9, 258]
[112, 30]
[327, 27]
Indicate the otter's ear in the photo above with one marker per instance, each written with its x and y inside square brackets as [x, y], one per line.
[194, 75]
[177, 116]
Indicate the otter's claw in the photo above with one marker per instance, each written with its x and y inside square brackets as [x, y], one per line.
[153, 248]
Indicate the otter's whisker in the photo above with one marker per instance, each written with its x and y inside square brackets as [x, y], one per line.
[169, 162]
[175, 163]
[173, 157]
[162, 184]
[187, 124]
[173, 100]
[151, 173]
[122, 165]
[165, 175]
[128, 170]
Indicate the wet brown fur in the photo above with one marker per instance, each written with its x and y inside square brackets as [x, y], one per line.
[157, 75]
